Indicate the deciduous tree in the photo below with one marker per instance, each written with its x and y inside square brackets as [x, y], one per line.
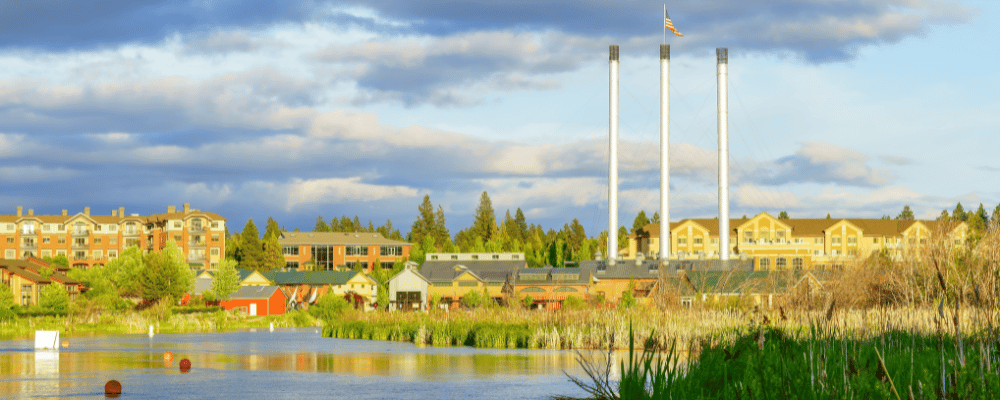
[53, 297]
[227, 279]
[166, 274]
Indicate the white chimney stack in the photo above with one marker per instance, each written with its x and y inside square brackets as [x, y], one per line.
[613, 160]
[664, 151]
[722, 57]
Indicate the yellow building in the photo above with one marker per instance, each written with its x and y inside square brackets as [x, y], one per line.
[777, 244]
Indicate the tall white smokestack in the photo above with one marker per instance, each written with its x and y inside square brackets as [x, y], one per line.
[613, 161]
[722, 57]
[664, 151]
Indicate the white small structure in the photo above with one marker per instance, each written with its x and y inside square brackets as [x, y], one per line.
[408, 289]
[47, 340]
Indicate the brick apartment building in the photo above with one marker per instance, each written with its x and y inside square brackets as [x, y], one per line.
[88, 240]
[338, 250]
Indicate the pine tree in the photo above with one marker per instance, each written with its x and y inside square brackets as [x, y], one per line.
[981, 212]
[251, 249]
[906, 214]
[357, 225]
[424, 225]
[783, 215]
[959, 213]
[944, 216]
[345, 224]
[274, 229]
[485, 225]
[656, 218]
[441, 234]
[166, 274]
[827, 216]
[321, 225]
[274, 259]
[371, 227]
[995, 218]
[640, 221]
[522, 225]
[577, 235]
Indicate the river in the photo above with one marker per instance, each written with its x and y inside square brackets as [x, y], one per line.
[287, 363]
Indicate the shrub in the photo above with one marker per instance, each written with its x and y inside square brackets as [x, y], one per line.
[329, 307]
[627, 301]
[208, 296]
[54, 297]
[7, 303]
[472, 299]
[528, 301]
[574, 303]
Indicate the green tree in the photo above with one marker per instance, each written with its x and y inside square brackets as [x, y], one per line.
[622, 240]
[274, 259]
[53, 297]
[329, 307]
[371, 227]
[97, 281]
[7, 303]
[357, 225]
[59, 259]
[233, 246]
[640, 222]
[783, 215]
[382, 297]
[441, 234]
[995, 218]
[472, 299]
[944, 216]
[906, 214]
[124, 272]
[655, 219]
[573, 303]
[522, 225]
[345, 224]
[959, 212]
[321, 225]
[424, 225]
[227, 279]
[251, 249]
[485, 225]
[827, 215]
[981, 213]
[272, 229]
[166, 274]
[577, 235]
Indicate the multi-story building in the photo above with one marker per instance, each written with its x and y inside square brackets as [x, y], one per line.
[87, 240]
[777, 244]
[330, 251]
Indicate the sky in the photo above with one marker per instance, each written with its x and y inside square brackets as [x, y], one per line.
[293, 110]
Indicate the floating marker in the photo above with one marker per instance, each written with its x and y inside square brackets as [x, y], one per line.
[65, 343]
[168, 356]
[185, 365]
[272, 327]
[113, 388]
[151, 331]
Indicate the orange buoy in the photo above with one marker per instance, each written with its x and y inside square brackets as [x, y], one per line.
[168, 356]
[65, 343]
[113, 388]
[185, 365]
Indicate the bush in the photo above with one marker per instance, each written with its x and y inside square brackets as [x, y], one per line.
[329, 307]
[472, 299]
[528, 301]
[192, 309]
[574, 303]
[627, 300]
[208, 296]
[55, 298]
[7, 303]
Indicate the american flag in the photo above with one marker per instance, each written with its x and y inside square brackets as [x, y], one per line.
[670, 25]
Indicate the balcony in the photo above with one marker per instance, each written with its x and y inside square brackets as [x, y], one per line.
[29, 245]
[196, 229]
[196, 243]
[196, 258]
[81, 232]
[77, 245]
[31, 232]
[130, 232]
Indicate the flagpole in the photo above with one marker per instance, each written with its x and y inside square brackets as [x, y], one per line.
[664, 25]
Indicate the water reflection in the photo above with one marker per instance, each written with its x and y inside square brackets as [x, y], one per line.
[260, 362]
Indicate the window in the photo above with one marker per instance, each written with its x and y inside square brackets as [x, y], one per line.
[46, 253]
[682, 240]
[215, 225]
[475, 256]
[131, 228]
[28, 228]
[10, 227]
[835, 252]
[112, 253]
[215, 237]
[10, 240]
[61, 240]
[716, 240]
[80, 255]
[748, 236]
[836, 240]
[98, 254]
[874, 240]
[468, 283]
[357, 250]
[46, 240]
[177, 238]
[912, 240]
[9, 254]
[322, 256]
[290, 250]
[177, 224]
[434, 257]
[386, 264]
[781, 263]
[113, 240]
[97, 240]
[780, 233]
[61, 253]
[797, 263]
[80, 242]
[923, 240]
[454, 257]
[113, 228]
[391, 250]
[852, 252]
[25, 295]
[852, 241]
[496, 256]
[516, 256]
[819, 240]
[97, 228]
[215, 251]
[765, 263]
[131, 243]
[291, 266]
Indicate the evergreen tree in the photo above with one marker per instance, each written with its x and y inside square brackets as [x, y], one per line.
[485, 225]
[7, 303]
[345, 224]
[577, 235]
[251, 249]
[783, 215]
[959, 213]
[906, 214]
[981, 212]
[522, 225]
[357, 225]
[585, 252]
[424, 225]
[944, 216]
[274, 229]
[640, 222]
[227, 279]
[995, 218]
[274, 259]
[321, 225]
[622, 239]
[233, 246]
[656, 218]
[371, 227]
[827, 215]
[441, 234]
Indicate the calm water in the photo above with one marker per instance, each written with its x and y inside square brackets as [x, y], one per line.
[293, 363]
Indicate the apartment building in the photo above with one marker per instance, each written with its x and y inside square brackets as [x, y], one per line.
[330, 251]
[88, 240]
[797, 244]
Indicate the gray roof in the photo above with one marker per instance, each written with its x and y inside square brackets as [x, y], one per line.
[650, 269]
[332, 238]
[201, 285]
[254, 292]
[487, 270]
[555, 276]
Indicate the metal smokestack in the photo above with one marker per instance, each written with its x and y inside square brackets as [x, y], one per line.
[613, 160]
[664, 151]
[722, 64]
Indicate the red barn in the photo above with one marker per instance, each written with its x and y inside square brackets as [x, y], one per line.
[257, 300]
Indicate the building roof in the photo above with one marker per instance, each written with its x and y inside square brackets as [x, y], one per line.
[650, 269]
[806, 226]
[487, 270]
[255, 292]
[27, 270]
[337, 238]
[112, 219]
[310, 277]
[553, 276]
[412, 270]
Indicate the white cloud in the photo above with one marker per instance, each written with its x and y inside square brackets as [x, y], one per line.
[34, 173]
[336, 190]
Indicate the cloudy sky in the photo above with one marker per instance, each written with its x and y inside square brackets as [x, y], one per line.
[257, 108]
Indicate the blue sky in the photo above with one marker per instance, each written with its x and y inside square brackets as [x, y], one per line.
[260, 108]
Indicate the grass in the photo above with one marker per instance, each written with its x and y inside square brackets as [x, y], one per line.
[134, 322]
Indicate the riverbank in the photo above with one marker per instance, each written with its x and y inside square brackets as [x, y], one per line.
[135, 322]
[600, 329]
